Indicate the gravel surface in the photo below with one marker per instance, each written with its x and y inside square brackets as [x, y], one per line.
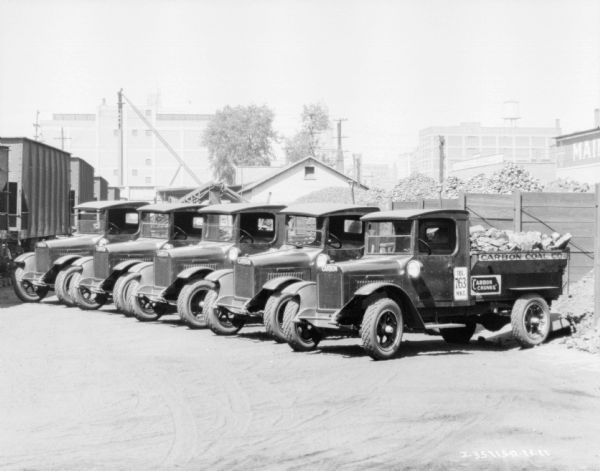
[96, 390]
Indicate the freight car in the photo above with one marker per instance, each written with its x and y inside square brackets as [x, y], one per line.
[35, 193]
[100, 188]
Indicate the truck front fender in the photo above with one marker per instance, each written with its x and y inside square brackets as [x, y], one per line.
[353, 310]
[87, 266]
[183, 277]
[60, 262]
[145, 270]
[258, 302]
[26, 261]
[125, 265]
[306, 294]
[224, 281]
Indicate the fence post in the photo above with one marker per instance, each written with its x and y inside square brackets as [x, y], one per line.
[518, 207]
[462, 200]
[597, 259]
[421, 203]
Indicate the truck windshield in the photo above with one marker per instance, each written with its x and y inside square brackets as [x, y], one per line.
[218, 227]
[391, 237]
[304, 231]
[91, 222]
[155, 225]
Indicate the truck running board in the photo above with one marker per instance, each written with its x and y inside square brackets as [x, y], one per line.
[432, 325]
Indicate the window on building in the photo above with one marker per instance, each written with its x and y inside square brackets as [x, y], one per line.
[148, 112]
[115, 132]
[148, 132]
[148, 161]
[309, 172]
[472, 141]
[148, 179]
[134, 132]
[134, 172]
[115, 171]
[506, 141]
[488, 141]
[522, 141]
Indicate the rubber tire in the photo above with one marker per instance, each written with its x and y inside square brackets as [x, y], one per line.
[369, 327]
[40, 293]
[459, 335]
[62, 285]
[290, 330]
[517, 318]
[120, 292]
[215, 324]
[141, 314]
[276, 306]
[81, 301]
[184, 303]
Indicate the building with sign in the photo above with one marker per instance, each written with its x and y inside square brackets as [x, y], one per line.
[578, 156]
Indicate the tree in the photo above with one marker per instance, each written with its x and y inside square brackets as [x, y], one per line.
[240, 135]
[308, 142]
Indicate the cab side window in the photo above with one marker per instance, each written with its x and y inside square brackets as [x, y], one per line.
[123, 221]
[260, 227]
[437, 235]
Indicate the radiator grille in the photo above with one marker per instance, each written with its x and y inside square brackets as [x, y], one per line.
[302, 274]
[360, 282]
[163, 272]
[329, 289]
[101, 265]
[244, 281]
[42, 259]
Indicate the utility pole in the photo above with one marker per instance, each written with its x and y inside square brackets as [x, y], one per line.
[62, 138]
[37, 127]
[121, 156]
[339, 163]
[442, 145]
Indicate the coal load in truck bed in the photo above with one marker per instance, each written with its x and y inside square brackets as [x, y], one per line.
[494, 240]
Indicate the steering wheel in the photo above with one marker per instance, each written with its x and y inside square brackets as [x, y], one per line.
[246, 234]
[113, 228]
[421, 241]
[180, 231]
[334, 241]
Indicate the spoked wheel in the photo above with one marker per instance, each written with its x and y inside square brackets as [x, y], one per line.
[274, 313]
[301, 336]
[84, 298]
[530, 320]
[382, 329]
[222, 321]
[25, 291]
[142, 308]
[62, 285]
[195, 301]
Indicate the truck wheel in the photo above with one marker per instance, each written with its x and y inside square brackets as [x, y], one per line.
[221, 321]
[120, 292]
[273, 317]
[142, 308]
[530, 320]
[24, 290]
[460, 335]
[193, 302]
[62, 285]
[83, 297]
[382, 328]
[302, 337]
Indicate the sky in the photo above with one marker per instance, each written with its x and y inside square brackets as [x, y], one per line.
[388, 67]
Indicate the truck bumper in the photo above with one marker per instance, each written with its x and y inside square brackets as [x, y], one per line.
[154, 294]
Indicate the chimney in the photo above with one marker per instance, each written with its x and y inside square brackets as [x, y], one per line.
[357, 161]
[597, 117]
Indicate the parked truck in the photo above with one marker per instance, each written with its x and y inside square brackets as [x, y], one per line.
[253, 291]
[103, 276]
[186, 279]
[419, 274]
[50, 266]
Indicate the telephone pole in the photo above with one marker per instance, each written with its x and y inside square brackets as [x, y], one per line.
[62, 138]
[37, 127]
[442, 146]
[339, 162]
[121, 156]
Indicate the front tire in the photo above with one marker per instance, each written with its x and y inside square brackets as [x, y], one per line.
[121, 293]
[194, 301]
[24, 290]
[274, 313]
[301, 337]
[459, 335]
[62, 285]
[83, 297]
[382, 329]
[142, 308]
[530, 320]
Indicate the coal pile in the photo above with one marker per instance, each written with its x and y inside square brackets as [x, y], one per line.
[495, 240]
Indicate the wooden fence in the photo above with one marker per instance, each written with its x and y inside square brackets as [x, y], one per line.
[544, 212]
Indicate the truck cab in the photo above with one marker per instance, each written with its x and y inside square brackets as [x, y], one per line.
[179, 277]
[102, 275]
[418, 273]
[314, 235]
[50, 267]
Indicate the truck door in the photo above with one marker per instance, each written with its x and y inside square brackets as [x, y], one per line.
[438, 250]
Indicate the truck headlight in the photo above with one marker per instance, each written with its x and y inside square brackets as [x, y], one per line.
[413, 268]
[233, 254]
[102, 242]
[167, 246]
[102, 248]
[322, 260]
[41, 245]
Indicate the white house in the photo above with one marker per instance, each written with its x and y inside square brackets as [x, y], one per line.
[296, 180]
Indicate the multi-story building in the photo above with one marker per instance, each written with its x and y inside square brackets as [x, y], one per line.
[469, 140]
[147, 163]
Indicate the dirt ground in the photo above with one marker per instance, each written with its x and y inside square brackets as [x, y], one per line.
[96, 390]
